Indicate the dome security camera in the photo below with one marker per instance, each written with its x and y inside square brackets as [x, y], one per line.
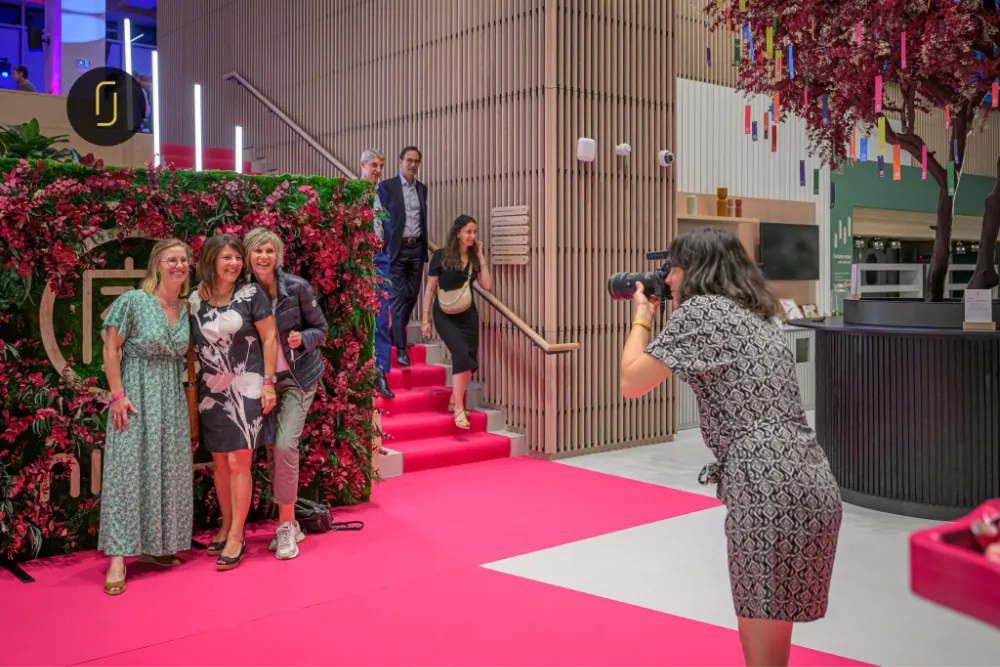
[665, 158]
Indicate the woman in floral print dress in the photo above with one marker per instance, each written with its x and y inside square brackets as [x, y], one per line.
[146, 497]
[783, 506]
[237, 345]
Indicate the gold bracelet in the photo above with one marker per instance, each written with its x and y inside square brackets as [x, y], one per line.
[642, 324]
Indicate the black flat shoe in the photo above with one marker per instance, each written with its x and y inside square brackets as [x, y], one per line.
[228, 563]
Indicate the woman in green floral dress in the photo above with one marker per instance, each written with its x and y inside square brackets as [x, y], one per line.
[146, 498]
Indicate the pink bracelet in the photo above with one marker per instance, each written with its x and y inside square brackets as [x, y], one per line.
[115, 399]
[266, 382]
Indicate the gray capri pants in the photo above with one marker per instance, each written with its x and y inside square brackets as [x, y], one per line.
[283, 455]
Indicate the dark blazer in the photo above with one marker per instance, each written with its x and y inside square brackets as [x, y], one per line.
[390, 193]
[298, 310]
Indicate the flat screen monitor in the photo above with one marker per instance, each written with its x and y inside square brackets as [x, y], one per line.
[789, 252]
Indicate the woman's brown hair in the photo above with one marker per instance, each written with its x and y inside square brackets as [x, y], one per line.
[210, 253]
[716, 263]
[452, 258]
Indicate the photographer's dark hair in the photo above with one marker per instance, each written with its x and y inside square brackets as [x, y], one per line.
[715, 262]
[452, 258]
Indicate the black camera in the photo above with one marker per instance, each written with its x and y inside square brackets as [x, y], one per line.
[621, 286]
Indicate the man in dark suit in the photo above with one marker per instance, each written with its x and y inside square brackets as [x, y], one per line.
[404, 198]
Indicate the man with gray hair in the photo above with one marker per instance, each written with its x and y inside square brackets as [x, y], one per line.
[372, 162]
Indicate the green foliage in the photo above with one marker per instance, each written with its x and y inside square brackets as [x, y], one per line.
[26, 141]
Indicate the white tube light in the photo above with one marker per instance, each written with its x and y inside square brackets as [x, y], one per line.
[156, 110]
[127, 43]
[239, 149]
[197, 127]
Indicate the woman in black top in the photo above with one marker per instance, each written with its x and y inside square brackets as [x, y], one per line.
[456, 267]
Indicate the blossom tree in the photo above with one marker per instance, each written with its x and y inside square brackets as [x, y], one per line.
[822, 60]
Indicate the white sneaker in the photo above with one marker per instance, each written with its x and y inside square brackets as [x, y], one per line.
[285, 544]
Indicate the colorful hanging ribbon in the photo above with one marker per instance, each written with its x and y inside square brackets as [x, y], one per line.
[923, 162]
[791, 63]
[746, 119]
[881, 166]
[878, 94]
[895, 162]
[769, 49]
[902, 47]
[802, 173]
[753, 130]
[881, 134]
[864, 149]
[815, 181]
[826, 108]
[951, 178]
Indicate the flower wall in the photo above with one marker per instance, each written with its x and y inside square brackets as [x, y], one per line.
[61, 267]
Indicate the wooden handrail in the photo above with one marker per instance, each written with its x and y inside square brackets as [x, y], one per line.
[235, 76]
[522, 326]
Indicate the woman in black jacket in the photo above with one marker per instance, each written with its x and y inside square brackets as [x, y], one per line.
[301, 328]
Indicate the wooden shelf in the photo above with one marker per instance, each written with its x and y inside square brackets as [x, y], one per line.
[681, 217]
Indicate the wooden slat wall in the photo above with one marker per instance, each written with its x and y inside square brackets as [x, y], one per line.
[495, 93]
[616, 85]
[694, 38]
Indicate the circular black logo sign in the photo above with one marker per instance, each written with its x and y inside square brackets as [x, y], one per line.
[106, 106]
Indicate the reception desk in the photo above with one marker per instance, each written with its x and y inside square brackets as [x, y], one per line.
[909, 417]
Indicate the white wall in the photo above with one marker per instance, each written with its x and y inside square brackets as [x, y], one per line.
[712, 151]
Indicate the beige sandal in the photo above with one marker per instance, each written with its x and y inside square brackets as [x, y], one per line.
[114, 587]
[462, 419]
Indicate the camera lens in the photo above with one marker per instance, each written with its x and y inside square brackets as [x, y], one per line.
[621, 286]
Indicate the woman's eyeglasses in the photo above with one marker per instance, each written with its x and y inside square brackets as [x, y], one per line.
[173, 262]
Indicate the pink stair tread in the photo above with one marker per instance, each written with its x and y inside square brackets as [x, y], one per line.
[422, 428]
[451, 450]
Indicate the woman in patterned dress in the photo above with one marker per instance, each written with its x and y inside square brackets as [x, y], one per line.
[146, 501]
[237, 347]
[783, 502]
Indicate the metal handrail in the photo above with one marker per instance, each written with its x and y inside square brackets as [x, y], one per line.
[235, 76]
[498, 305]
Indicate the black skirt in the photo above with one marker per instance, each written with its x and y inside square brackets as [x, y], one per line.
[460, 334]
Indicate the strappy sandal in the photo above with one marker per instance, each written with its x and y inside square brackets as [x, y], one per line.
[231, 562]
[162, 561]
[215, 547]
[462, 419]
[115, 587]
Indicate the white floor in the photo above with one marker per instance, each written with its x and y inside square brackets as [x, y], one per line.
[678, 566]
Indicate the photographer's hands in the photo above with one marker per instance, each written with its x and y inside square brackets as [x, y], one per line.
[645, 308]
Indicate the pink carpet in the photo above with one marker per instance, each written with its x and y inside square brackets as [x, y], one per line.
[470, 616]
[422, 427]
[405, 590]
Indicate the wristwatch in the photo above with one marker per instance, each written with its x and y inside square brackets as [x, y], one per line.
[271, 378]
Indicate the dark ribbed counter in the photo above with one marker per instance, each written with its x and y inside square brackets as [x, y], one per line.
[909, 417]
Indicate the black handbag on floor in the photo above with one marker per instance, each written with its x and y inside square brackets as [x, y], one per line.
[314, 517]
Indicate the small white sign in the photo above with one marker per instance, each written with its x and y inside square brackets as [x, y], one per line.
[855, 280]
[978, 305]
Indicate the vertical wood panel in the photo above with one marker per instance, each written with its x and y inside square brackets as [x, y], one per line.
[495, 93]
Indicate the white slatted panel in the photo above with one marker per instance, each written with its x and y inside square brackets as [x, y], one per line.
[713, 152]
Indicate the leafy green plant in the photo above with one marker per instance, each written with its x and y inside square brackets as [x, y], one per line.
[27, 141]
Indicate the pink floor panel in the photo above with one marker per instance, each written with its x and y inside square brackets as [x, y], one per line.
[405, 590]
[470, 616]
